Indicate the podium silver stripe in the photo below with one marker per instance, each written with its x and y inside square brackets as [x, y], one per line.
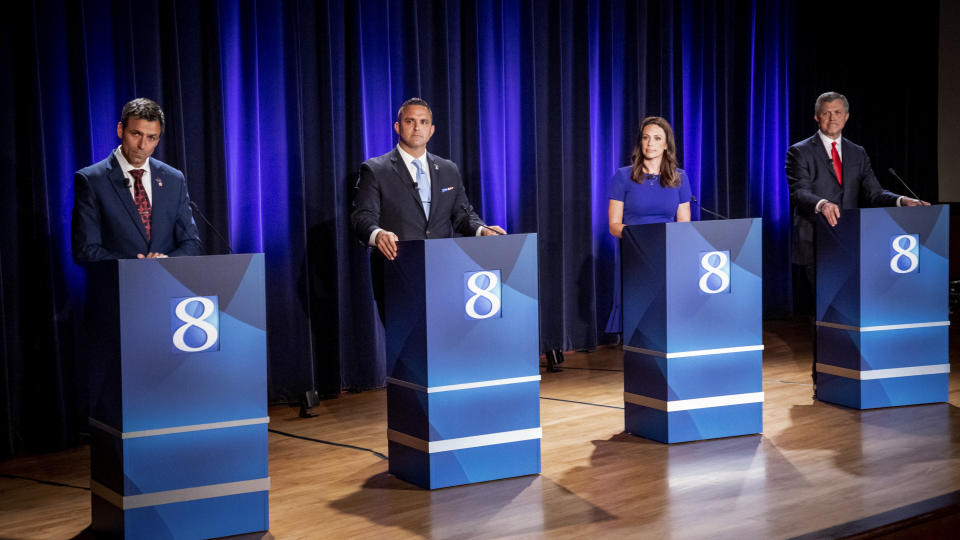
[883, 327]
[889, 373]
[461, 443]
[177, 429]
[692, 404]
[178, 495]
[687, 354]
[464, 386]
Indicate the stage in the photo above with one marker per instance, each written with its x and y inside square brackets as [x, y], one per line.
[817, 468]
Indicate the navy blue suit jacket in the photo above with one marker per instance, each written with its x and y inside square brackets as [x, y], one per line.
[387, 199]
[811, 177]
[106, 224]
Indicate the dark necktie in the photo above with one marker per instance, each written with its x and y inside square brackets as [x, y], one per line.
[140, 199]
[837, 166]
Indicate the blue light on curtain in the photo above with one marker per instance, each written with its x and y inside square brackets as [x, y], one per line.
[239, 65]
[693, 40]
[768, 132]
[377, 75]
[498, 86]
[273, 105]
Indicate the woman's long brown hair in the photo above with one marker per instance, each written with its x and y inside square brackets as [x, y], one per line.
[668, 165]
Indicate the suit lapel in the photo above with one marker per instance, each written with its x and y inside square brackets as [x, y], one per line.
[850, 163]
[434, 172]
[829, 158]
[824, 162]
[115, 175]
[406, 181]
[162, 198]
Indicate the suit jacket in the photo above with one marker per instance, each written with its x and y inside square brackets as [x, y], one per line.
[386, 198]
[106, 224]
[811, 177]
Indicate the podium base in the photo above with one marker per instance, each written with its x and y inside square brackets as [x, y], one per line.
[466, 466]
[874, 394]
[205, 518]
[694, 425]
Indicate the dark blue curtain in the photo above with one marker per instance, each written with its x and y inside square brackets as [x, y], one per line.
[272, 106]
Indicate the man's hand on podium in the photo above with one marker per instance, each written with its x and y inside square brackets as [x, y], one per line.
[387, 244]
[492, 230]
[831, 212]
[907, 201]
[151, 256]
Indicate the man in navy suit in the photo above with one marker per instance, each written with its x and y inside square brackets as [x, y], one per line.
[130, 205]
[827, 173]
[411, 194]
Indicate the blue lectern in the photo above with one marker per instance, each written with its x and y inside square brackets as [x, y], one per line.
[463, 360]
[692, 329]
[178, 402]
[882, 315]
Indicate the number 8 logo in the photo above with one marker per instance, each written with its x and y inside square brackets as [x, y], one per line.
[909, 252]
[489, 293]
[199, 322]
[720, 270]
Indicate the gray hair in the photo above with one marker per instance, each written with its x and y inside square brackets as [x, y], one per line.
[827, 97]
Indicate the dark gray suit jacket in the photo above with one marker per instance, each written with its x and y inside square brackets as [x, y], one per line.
[386, 198]
[106, 224]
[811, 178]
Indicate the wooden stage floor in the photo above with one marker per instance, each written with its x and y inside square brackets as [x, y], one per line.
[815, 466]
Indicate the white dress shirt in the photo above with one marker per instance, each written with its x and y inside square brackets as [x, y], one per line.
[126, 167]
[828, 146]
[408, 161]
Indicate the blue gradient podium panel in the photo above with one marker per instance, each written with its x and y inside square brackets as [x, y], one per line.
[463, 360]
[882, 315]
[692, 329]
[178, 397]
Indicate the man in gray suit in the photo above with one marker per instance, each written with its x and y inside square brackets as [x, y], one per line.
[827, 173]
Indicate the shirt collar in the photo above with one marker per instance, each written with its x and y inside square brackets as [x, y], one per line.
[408, 159]
[125, 165]
[828, 142]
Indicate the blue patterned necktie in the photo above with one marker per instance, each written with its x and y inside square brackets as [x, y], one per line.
[423, 186]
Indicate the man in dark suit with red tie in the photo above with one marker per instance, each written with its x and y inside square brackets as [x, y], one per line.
[131, 205]
[827, 173]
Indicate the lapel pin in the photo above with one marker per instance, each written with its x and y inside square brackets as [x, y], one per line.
[160, 182]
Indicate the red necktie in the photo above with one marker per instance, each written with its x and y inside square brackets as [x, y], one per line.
[837, 166]
[141, 200]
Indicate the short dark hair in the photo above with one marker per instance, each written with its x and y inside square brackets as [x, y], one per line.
[411, 102]
[143, 108]
[827, 97]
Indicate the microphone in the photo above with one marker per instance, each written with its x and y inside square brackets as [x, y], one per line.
[693, 198]
[467, 209]
[196, 209]
[894, 173]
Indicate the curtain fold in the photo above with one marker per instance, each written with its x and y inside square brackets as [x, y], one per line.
[271, 107]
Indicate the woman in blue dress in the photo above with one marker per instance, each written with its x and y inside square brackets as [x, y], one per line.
[653, 189]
